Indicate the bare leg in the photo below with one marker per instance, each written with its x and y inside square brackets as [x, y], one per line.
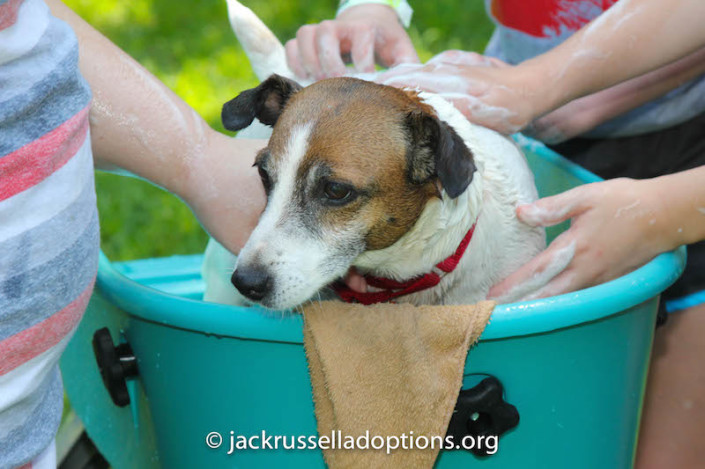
[673, 422]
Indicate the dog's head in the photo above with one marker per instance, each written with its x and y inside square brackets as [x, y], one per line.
[349, 168]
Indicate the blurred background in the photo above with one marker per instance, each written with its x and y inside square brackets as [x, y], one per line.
[191, 48]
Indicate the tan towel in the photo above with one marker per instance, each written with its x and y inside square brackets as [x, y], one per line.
[387, 370]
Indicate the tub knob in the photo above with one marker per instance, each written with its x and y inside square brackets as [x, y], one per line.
[116, 365]
[481, 412]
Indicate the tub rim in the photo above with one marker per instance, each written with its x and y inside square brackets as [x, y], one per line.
[508, 320]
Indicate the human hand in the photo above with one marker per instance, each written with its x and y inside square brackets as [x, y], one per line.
[364, 33]
[617, 226]
[486, 90]
[224, 190]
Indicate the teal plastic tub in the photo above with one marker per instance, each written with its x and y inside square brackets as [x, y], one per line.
[573, 365]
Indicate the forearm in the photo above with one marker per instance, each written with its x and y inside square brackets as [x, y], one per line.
[630, 39]
[681, 217]
[612, 102]
[136, 122]
[584, 114]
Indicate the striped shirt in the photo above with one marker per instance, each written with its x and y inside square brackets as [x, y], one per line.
[526, 28]
[48, 221]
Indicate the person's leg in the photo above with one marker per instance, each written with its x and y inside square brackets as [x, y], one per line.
[673, 422]
[673, 419]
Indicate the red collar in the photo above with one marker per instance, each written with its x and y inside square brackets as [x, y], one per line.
[392, 289]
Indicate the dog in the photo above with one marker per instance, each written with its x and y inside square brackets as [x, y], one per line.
[395, 183]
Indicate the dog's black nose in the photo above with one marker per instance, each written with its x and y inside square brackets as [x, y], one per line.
[252, 282]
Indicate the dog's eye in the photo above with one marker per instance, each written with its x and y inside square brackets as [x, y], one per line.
[337, 192]
[266, 182]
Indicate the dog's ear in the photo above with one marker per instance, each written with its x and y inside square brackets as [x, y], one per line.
[436, 150]
[265, 102]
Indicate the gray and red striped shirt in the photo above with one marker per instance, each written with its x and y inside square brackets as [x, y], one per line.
[48, 220]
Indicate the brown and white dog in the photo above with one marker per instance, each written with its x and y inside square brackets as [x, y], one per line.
[395, 183]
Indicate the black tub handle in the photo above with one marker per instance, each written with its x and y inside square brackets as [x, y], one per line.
[116, 365]
[482, 411]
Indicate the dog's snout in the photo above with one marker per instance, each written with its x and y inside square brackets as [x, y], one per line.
[252, 282]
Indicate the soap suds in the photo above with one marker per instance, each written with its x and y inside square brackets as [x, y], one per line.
[535, 215]
[627, 208]
[533, 287]
[585, 58]
[615, 11]
[556, 287]
[447, 83]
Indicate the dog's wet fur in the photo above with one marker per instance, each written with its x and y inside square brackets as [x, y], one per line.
[349, 168]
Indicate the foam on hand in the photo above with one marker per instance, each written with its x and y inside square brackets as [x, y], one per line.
[537, 286]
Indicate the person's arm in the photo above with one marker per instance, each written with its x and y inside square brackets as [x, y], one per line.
[583, 114]
[140, 125]
[360, 34]
[616, 226]
[630, 39]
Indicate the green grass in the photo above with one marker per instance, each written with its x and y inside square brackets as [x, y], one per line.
[190, 47]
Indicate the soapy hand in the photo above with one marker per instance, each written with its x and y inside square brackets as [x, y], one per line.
[480, 87]
[362, 33]
[617, 226]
